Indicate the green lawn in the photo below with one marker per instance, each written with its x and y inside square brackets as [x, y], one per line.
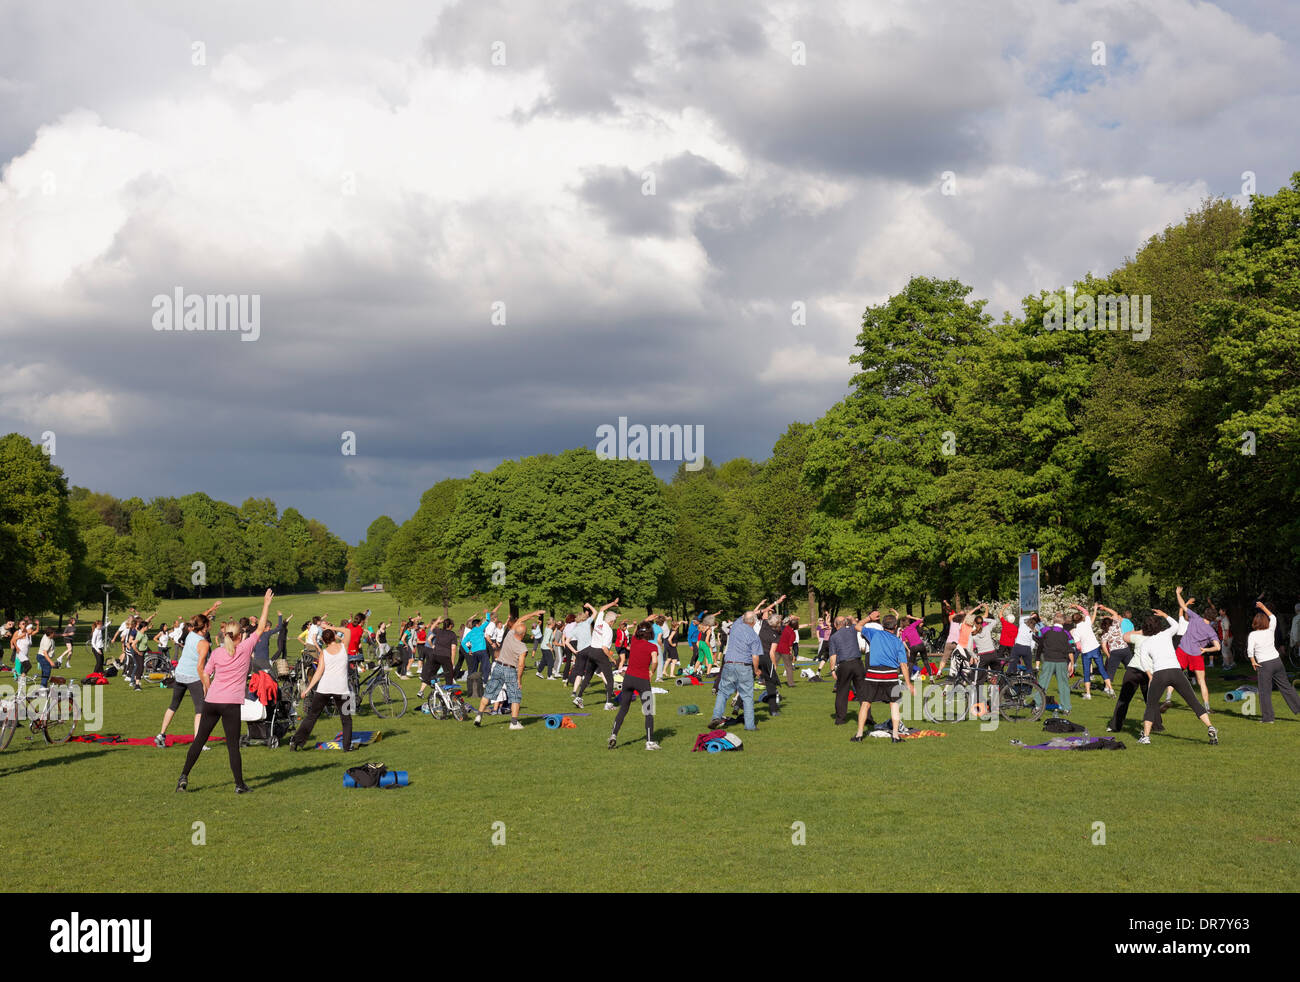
[967, 812]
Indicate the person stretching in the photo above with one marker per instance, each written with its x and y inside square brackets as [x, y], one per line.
[888, 659]
[331, 683]
[508, 671]
[225, 680]
[1198, 637]
[186, 677]
[1089, 648]
[643, 656]
[1159, 644]
[1270, 673]
[597, 654]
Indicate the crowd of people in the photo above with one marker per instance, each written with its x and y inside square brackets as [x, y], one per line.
[873, 659]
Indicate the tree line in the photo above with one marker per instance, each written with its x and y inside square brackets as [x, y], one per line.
[1135, 445]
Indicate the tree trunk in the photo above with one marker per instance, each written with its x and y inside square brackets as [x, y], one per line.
[812, 606]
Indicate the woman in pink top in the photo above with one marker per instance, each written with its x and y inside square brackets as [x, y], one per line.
[224, 674]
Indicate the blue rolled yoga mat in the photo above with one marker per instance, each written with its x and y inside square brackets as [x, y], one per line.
[715, 746]
[394, 779]
[690, 709]
[552, 722]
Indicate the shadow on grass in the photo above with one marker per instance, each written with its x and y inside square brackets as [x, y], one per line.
[48, 760]
[268, 779]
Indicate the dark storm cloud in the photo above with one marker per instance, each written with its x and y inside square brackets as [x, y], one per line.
[775, 183]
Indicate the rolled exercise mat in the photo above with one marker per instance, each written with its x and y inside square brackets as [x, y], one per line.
[394, 779]
[690, 709]
[347, 780]
[715, 746]
[552, 722]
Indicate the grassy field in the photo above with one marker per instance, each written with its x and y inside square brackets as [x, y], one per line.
[962, 813]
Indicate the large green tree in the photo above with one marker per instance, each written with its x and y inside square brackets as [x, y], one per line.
[41, 549]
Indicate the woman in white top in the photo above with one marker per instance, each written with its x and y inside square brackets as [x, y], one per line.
[22, 641]
[331, 684]
[1158, 645]
[1270, 673]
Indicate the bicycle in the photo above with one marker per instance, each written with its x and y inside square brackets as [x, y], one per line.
[51, 711]
[383, 693]
[440, 703]
[969, 690]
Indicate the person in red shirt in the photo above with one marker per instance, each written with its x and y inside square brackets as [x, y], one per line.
[642, 658]
[356, 628]
[785, 647]
[1007, 633]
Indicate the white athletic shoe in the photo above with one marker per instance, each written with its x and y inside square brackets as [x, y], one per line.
[1144, 739]
[609, 706]
[160, 741]
[516, 725]
[478, 719]
[651, 745]
[577, 701]
[1087, 695]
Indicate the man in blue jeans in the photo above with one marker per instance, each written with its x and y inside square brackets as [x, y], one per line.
[739, 669]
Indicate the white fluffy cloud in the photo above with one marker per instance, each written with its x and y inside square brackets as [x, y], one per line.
[381, 184]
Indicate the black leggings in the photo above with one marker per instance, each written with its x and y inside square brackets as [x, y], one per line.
[430, 662]
[99, 660]
[632, 688]
[1176, 678]
[596, 659]
[1118, 656]
[136, 665]
[228, 713]
[195, 690]
[319, 700]
[1134, 679]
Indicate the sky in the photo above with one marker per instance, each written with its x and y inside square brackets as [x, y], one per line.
[480, 230]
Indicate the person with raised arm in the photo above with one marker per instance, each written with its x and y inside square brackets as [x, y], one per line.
[598, 654]
[1270, 673]
[1089, 648]
[1158, 642]
[225, 680]
[1198, 637]
[508, 671]
[476, 648]
[186, 676]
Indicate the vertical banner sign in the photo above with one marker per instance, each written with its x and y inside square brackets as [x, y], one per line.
[1028, 581]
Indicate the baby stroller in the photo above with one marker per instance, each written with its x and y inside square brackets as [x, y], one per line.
[269, 725]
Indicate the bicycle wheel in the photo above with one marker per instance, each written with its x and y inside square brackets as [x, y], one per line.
[61, 717]
[460, 711]
[947, 702]
[157, 663]
[1016, 700]
[387, 699]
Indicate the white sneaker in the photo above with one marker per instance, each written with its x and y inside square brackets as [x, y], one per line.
[651, 745]
[609, 706]
[1087, 695]
[516, 725]
[1144, 739]
[160, 741]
